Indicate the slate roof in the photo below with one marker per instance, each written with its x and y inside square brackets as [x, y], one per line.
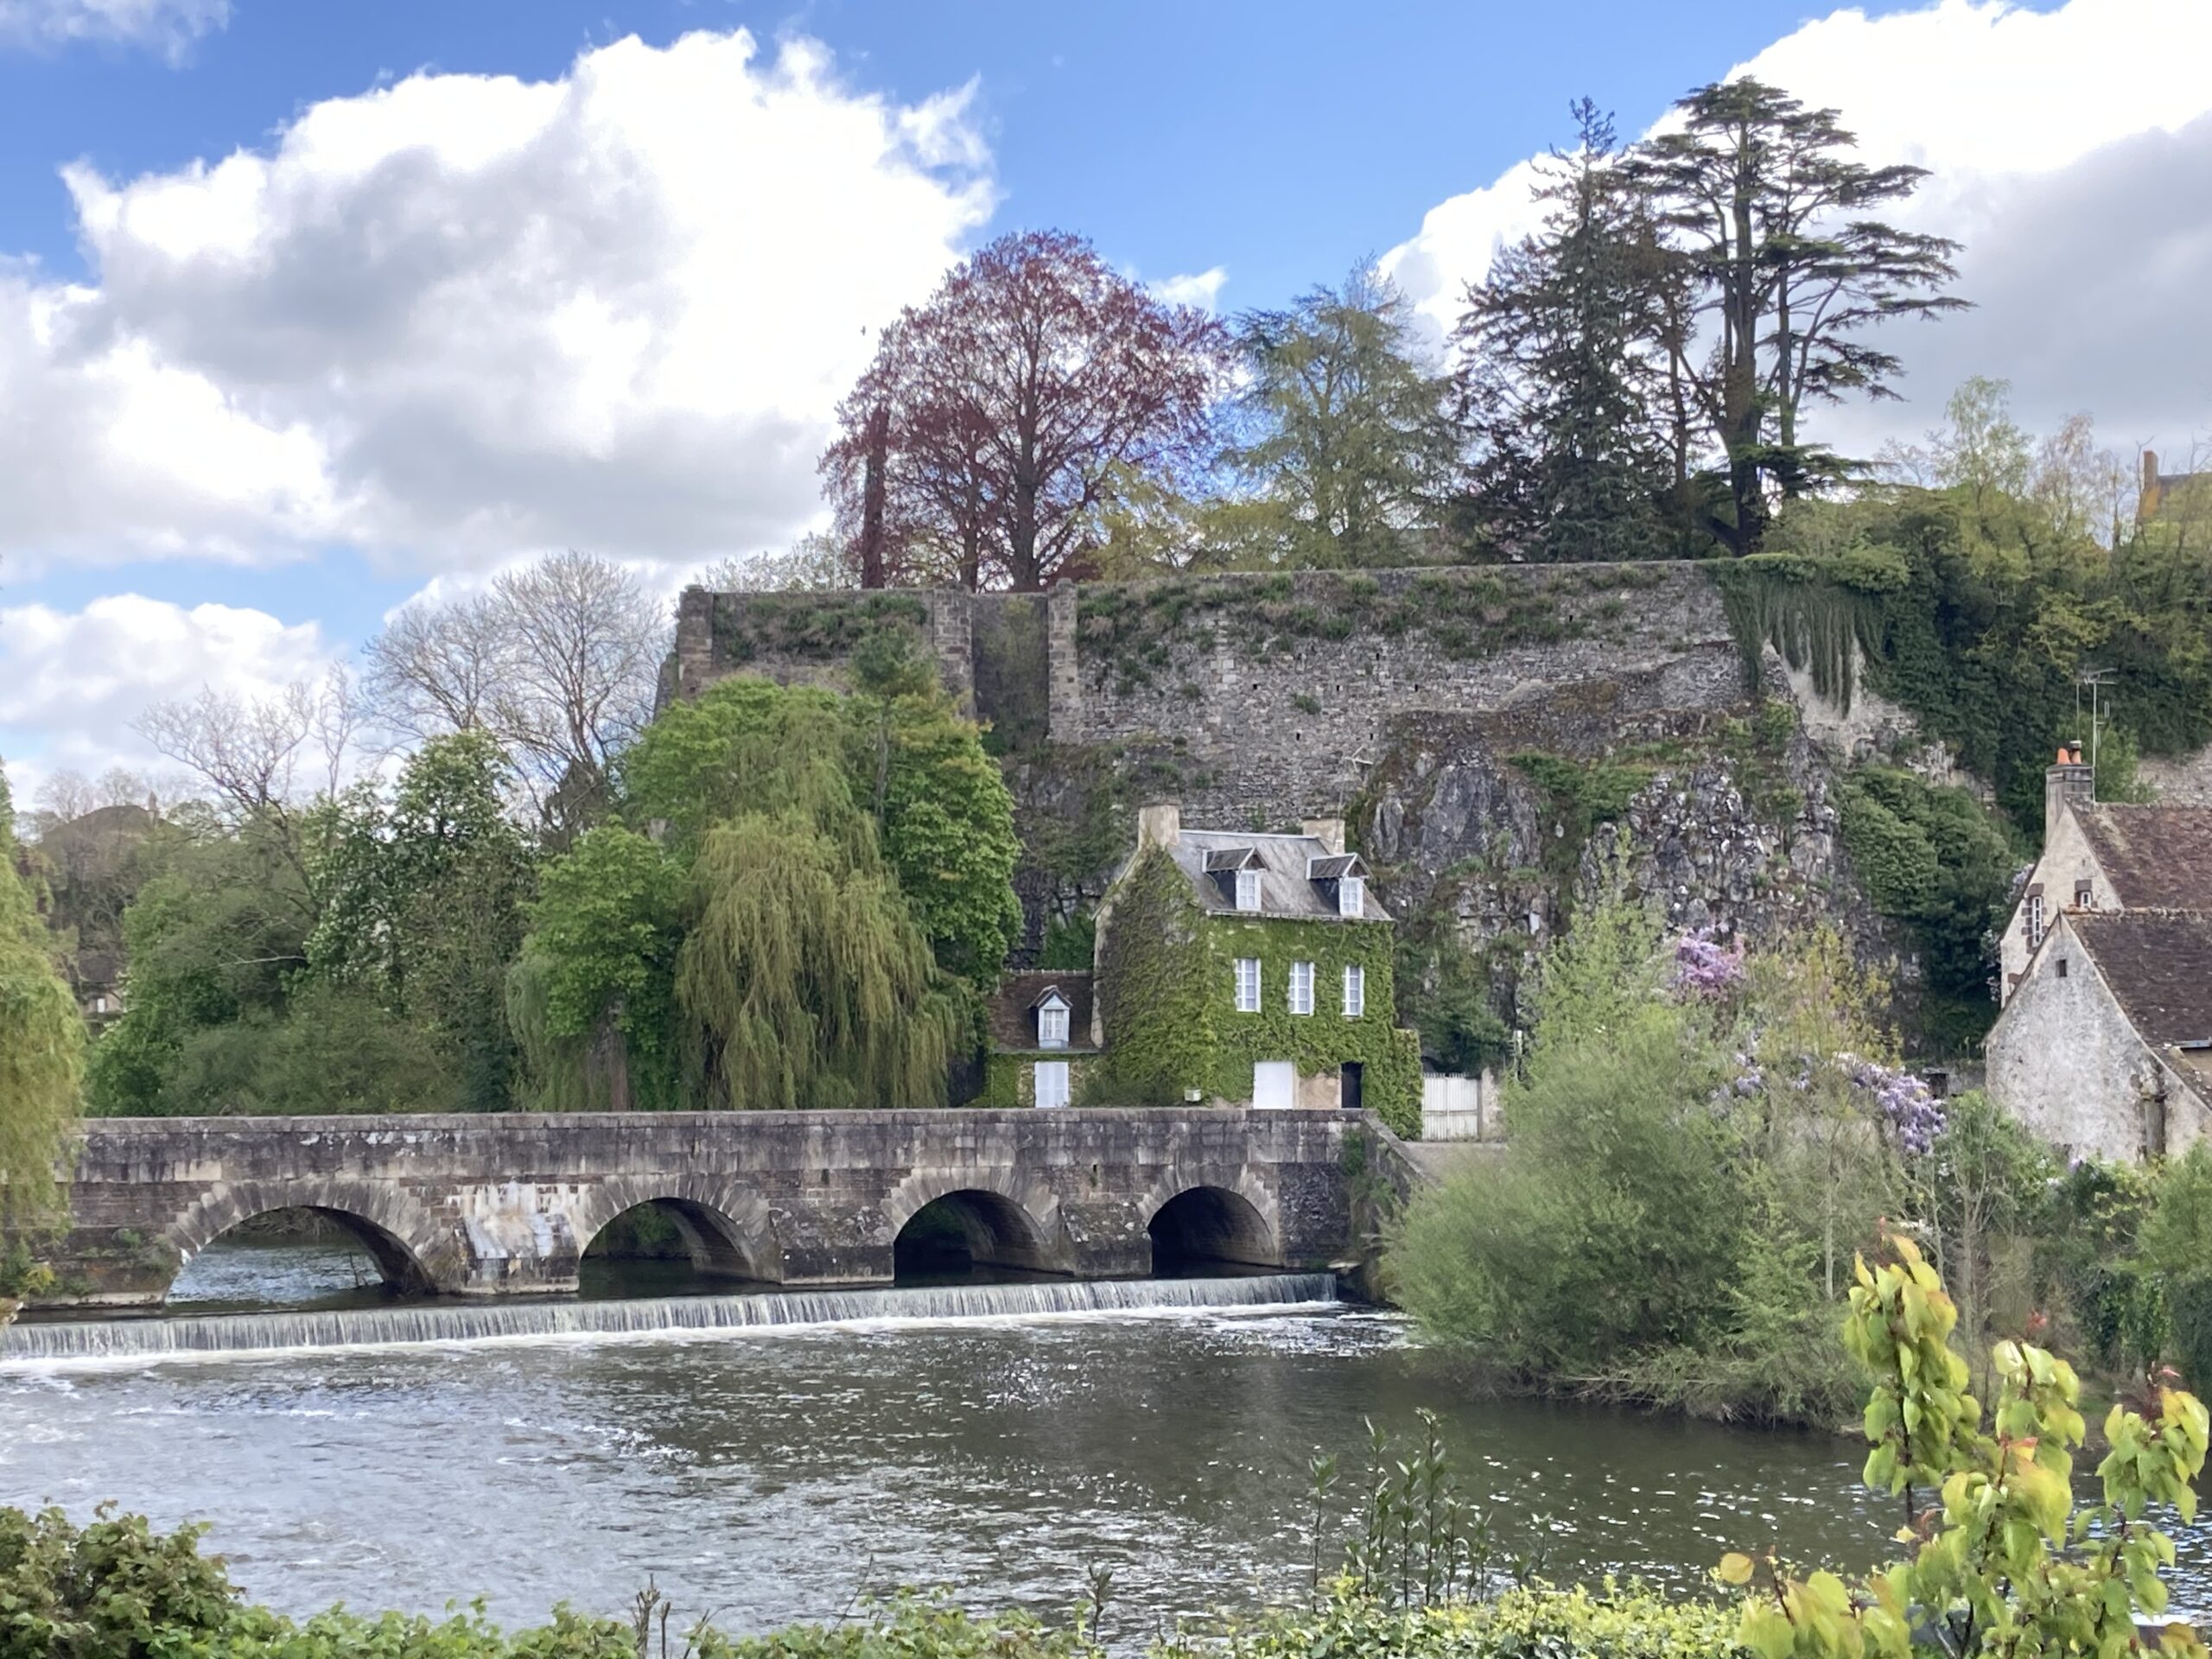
[1011, 1010]
[2156, 858]
[1286, 886]
[2158, 964]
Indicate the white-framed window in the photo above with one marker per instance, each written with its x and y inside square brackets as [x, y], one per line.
[1301, 988]
[1351, 895]
[2035, 920]
[1248, 984]
[1051, 1083]
[1052, 1025]
[1355, 991]
[1247, 889]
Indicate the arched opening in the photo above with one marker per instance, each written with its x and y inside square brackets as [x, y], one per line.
[666, 1246]
[297, 1257]
[969, 1235]
[1210, 1230]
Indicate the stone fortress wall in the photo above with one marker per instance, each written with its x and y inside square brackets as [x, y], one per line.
[1269, 696]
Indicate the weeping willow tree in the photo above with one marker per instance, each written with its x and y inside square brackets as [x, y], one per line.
[41, 1058]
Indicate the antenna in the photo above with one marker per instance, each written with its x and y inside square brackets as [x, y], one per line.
[2096, 679]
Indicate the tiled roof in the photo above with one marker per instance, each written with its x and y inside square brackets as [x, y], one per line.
[2156, 858]
[1287, 885]
[2158, 964]
[1011, 1010]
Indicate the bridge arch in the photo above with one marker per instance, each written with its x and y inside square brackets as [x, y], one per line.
[1193, 1225]
[411, 1251]
[725, 1233]
[981, 1218]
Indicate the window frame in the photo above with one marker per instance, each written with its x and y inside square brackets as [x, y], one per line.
[1301, 979]
[1049, 1016]
[1248, 896]
[2034, 920]
[1352, 896]
[1251, 1004]
[1355, 991]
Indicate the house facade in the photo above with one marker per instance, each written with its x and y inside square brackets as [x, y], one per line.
[1041, 1038]
[2104, 1045]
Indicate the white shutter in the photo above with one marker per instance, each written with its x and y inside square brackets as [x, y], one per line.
[1274, 1086]
[1051, 1083]
[1355, 992]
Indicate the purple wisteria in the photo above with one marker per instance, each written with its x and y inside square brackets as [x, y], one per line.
[1906, 1103]
[1704, 967]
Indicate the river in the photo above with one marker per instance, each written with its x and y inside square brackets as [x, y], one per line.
[773, 1474]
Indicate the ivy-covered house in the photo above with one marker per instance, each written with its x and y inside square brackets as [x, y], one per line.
[1243, 968]
[1041, 1038]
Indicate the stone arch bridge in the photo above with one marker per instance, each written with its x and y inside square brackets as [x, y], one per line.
[507, 1205]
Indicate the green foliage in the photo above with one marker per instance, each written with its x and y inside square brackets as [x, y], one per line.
[423, 902]
[1533, 1623]
[1070, 943]
[1930, 857]
[1157, 990]
[42, 1047]
[1582, 794]
[1997, 1560]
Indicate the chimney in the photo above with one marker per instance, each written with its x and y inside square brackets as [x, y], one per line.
[1160, 824]
[1330, 832]
[2067, 782]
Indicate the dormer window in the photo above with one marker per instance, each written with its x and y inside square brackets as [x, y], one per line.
[2085, 895]
[1352, 896]
[1052, 1020]
[1247, 890]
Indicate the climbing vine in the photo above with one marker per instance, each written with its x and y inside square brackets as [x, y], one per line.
[1156, 991]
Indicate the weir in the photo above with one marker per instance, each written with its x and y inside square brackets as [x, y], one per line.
[508, 1321]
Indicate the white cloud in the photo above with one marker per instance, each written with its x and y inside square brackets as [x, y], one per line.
[2071, 155]
[1201, 288]
[167, 25]
[72, 682]
[464, 316]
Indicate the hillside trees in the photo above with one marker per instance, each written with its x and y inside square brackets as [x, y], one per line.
[1341, 429]
[981, 446]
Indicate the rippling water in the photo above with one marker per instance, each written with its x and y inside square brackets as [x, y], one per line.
[774, 1475]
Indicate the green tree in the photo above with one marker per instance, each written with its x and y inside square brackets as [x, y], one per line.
[42, 1049]
[1342, 431]
[1563, 386]
[1790, 270]
[424, 902]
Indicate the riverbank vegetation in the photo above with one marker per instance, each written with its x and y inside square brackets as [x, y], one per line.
[42, 1051]
[1701, 1138]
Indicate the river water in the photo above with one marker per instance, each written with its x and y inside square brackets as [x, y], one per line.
[773, 1474]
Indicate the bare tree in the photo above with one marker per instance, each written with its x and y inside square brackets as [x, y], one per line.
[64, 796]
[816, 564]
[557, 660]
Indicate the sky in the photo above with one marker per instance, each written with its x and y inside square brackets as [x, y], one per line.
[308, 308]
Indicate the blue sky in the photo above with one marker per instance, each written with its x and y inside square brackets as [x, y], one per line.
[401, 337]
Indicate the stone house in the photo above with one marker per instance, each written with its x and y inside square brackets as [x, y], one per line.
[1301, 954]
[1041, 1031]
[2104, 1046]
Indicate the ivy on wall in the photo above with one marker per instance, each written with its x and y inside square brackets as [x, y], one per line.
[1010, 1080]
[1320, 1041]
[750, 626]
[1156, 988]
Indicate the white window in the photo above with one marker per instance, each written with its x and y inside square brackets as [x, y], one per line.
[1248, 984]
[1351, 895]
[1247, 889]
[1051, 1083]
[2035, 920]
[1355, 992]
[1301, 988]
[1052, 1025]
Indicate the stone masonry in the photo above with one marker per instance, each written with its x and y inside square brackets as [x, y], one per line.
[508, 1204]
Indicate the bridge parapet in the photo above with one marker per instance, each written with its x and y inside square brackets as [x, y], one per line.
[508, 1204]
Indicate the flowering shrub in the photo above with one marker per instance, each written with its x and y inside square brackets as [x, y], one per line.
[1705, 967]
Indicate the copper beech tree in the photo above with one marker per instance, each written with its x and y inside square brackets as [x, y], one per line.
[981, 446]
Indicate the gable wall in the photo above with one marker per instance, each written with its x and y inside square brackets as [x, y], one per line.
[2066, 859]
[2064, 1060]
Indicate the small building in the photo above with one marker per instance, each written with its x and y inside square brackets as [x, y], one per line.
[1041, 1034]
[96, 976]
[2104, 1045]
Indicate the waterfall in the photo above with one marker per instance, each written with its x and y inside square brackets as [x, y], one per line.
[518, 1321]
